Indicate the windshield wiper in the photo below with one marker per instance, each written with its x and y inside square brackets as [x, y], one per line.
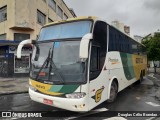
[54, 68]
[52, 65]
[43, 65]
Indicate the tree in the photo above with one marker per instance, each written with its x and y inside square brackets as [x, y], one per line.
[152, 44]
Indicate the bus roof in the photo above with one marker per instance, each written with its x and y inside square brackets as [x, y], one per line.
[89, 18]
[71, 19]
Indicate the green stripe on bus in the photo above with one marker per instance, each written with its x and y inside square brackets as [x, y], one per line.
[127, 65]
[64, 88]
[56, 88]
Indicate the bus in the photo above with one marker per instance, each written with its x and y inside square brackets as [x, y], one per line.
[81, 62]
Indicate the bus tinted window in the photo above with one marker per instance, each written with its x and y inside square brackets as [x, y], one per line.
[118, 41]
[100, 38]
[100, 41]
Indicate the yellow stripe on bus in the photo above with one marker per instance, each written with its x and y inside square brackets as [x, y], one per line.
[139, 64]
[44, 88]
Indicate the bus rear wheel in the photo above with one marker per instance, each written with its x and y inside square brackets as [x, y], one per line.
[113, 92]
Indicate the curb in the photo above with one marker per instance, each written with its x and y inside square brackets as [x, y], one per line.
[11, 93]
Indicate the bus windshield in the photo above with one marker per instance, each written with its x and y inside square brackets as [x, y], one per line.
[65, 30]
[58, 62]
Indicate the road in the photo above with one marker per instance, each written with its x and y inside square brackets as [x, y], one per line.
[138, 97]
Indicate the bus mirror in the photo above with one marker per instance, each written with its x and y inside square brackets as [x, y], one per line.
[84, 47]
[20, 46]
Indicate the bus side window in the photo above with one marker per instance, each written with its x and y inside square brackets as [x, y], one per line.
[100, 47]
[95, 62]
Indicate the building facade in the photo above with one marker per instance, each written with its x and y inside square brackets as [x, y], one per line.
[20, 20]
[120, 26]
[24, 18]
[138, 38]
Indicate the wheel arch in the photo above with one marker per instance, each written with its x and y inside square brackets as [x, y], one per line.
[109, 87]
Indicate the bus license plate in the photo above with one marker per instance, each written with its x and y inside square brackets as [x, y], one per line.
[49, 102]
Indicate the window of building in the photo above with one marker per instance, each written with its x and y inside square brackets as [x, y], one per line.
[52, 4]
[2, 52]
[50, 20]
[21, 36]
[3, 14]
[65, 16]
[22, 65]
[60, 12]
[3, 37]
[41, 18]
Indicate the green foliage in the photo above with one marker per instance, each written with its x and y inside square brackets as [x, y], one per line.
[153, 47]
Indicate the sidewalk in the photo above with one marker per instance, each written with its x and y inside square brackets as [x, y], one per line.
[13, 85]
[151, 70]
[155, 78]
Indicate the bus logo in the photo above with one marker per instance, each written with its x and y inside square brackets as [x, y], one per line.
[98, 95]
[113, 61]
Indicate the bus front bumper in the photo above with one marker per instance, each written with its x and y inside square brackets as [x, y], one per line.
[78, 105]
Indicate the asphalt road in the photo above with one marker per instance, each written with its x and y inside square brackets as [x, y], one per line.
[138, 97]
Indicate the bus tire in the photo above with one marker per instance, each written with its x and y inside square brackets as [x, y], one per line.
[113, 92]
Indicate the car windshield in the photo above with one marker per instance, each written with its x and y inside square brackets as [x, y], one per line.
[57, 62]
[65, 30]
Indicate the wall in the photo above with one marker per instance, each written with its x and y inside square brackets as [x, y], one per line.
[5, 25]
[22, 16]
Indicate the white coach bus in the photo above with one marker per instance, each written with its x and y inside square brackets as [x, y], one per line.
[81, 62]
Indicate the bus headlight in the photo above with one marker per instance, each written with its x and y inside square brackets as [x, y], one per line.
[32, 88]
[76, 95]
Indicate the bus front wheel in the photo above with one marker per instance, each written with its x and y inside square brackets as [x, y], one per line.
[113, 92]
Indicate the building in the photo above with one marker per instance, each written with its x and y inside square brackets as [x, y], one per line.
[23, 19]
[73, 13]
[127, 29]
[120, 26]
[138, 38]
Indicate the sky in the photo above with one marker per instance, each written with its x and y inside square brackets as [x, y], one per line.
[143, 16]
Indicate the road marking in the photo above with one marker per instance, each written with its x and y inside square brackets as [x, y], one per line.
[115, 118]
[151, 118]
[138, 98]
[152, 75]
[14, 118]
[100, 110]
[153, 104]
[88, 113]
